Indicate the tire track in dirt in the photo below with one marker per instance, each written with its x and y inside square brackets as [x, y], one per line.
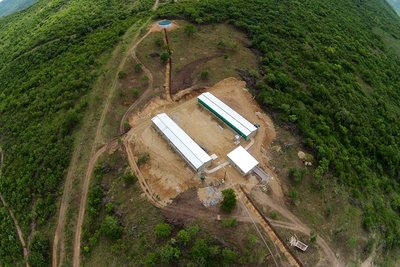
[16, 224]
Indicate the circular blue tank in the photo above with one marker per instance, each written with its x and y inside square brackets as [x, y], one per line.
[165, 23]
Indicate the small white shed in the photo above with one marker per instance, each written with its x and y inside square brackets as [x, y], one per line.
[242, 160]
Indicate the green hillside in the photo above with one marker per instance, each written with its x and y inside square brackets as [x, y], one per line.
[328, 69]
[49, 56]
[11, 6]
[326, 72]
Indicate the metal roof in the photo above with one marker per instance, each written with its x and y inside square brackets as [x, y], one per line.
[181, 141]
[228, 113]
[242, 159]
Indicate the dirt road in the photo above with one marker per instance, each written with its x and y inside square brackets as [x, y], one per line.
[17, 227]
[96, 155]
[148, 90]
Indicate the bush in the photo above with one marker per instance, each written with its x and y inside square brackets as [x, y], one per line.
[138, 68]
[150, 260]
[111, 227]
[163, 230]
[230, 256]
[135, 92]
[313, 237]
[122, 75]
[273, 215]
[169, 253]
[164, 56]
[159, 42]
[204, 75]
[296, 175]
[189, 30]
[143, 159]
[129, 178]
[229, 200]
[293, 194]
[184, 237]
[230, 222]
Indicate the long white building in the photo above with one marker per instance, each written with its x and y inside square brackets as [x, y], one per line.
[242, 126]
[194, 155]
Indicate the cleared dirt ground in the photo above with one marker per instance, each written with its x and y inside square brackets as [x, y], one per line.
[167, 173]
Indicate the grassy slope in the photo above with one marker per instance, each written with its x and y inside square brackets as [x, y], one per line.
[48, 59]
[314, 55]
[10, 6]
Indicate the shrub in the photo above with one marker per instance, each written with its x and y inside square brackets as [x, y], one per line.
[204, 75]
[122, 75]
[163, 230]
[138, 68]
[129, 178]
[169, 253]
[150, 260]
[230, 256]
[164, 56]
[273, 215]
[313, 237]
[230, 222]
[111, 227]
[229, 200]
[293, 194]
[184, 237]
[135, 92]
[143, 159]
[296, 175]
[189, 30]
[159, 42]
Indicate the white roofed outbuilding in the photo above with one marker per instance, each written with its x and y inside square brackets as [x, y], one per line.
[194, 155]
[242, 160]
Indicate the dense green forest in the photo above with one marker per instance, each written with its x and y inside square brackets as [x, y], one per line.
[49, 59]
[11, 6]
[325, 71]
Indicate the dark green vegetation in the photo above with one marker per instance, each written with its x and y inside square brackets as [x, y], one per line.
[326, 72]
[122, 228]
[49, 55]
[229, 200]
[10, 6]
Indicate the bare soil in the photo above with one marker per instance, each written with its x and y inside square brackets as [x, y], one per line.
[184, 77]
[167, 174]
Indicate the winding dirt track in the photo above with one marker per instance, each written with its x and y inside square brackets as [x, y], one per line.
[146, 93]
[96, 155]
[16, 224]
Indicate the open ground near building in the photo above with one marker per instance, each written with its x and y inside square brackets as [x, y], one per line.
[167, 173]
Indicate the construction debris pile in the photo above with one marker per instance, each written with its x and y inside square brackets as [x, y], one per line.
[209, 196]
